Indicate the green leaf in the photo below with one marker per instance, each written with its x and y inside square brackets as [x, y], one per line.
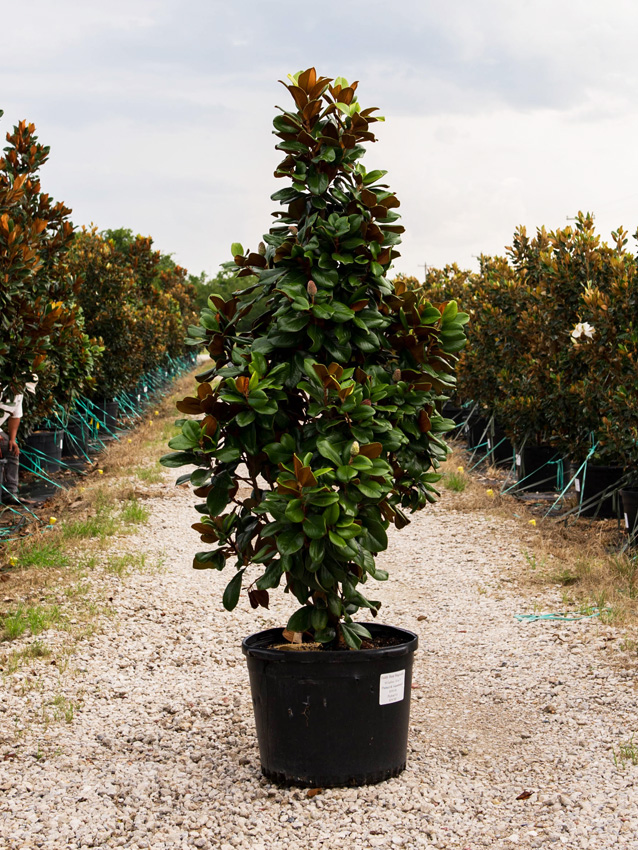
[336, 539]
[228, 454]
[325, 448]
[217, 499]
[182, 443]
[289, 542]
[362, 463]
[317, 550]
[245, 418]
[317, 181]
[214, 560]
[294, 511]
[236, 249]
[175, 459]
[199, 477]
[271, 577]
[373, 177]
[351, 638]
[322, 500]
[378, 535]
[346, 473]
[300, 620]
[233, 589]
[315, 528]
[360, 629]
[319, 619]
[326, 635]
[370, 489]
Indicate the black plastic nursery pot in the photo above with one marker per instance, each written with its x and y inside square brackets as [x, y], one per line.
[592, 483]
[451, 411]
[536, 468]
[629, 498]
[476, 433]
[2, 465]
[46, 451]
[331, 718]
[107, 412]
[76, 438]
[500, 448]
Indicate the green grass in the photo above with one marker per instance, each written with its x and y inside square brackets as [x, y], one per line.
[149, 474]
[37, 649]
[455, 481]
[63, 708]
[627, 753]
[134, 514]
[566, 577]
[40, 554]
[121, 565]
[35, 618]
[626, 571]
[100, 526]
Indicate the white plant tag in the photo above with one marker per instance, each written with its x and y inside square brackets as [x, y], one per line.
[61, 439]
[391, 687]
[626, 522]
[489, 443]
[519, 460]
[577, 485]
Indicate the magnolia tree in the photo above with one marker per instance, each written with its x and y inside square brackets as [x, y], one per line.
[317, 426]
[41, 321]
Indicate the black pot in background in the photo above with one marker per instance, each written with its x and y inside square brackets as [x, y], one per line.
[536, 468]
[503, 450]
[327, 719]
[451, 411]
[76, 437]
[597, 480]
[107, 412]
[476, 432]
[47, 455]
[629, 498]
[2, 465]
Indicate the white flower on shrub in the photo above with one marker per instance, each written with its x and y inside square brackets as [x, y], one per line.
[583, 329]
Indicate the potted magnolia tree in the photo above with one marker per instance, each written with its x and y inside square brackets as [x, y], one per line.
[316, 429]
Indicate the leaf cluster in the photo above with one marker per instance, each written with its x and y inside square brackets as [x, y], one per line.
[41, 322]
[317, 425]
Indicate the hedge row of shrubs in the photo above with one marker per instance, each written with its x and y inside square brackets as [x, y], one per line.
[553, 340]
[88, 312]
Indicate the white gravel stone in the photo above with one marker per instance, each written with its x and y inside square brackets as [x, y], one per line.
[161, 751]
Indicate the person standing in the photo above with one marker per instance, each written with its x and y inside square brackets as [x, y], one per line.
[10, 416]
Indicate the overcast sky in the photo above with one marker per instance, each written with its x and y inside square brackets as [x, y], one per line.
[498, 113]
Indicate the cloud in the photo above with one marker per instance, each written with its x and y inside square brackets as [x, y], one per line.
[159, 113]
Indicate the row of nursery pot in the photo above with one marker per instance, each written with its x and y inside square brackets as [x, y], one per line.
[602, 490]
[315, 429]
[44, 448]
[552, 348]
[94, 421]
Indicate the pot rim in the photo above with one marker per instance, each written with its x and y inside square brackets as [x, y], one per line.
[253, 646]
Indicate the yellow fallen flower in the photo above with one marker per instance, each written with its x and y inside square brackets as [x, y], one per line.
[460, 469]
[52, 520]
[13, 561]
[532, 522]
[490, 492]
[100, 472]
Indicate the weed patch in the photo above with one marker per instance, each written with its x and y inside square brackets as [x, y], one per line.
[135, 514]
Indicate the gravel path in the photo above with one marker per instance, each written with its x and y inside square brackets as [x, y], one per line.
[161, 752]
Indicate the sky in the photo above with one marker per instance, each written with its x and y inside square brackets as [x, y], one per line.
[498, 113]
